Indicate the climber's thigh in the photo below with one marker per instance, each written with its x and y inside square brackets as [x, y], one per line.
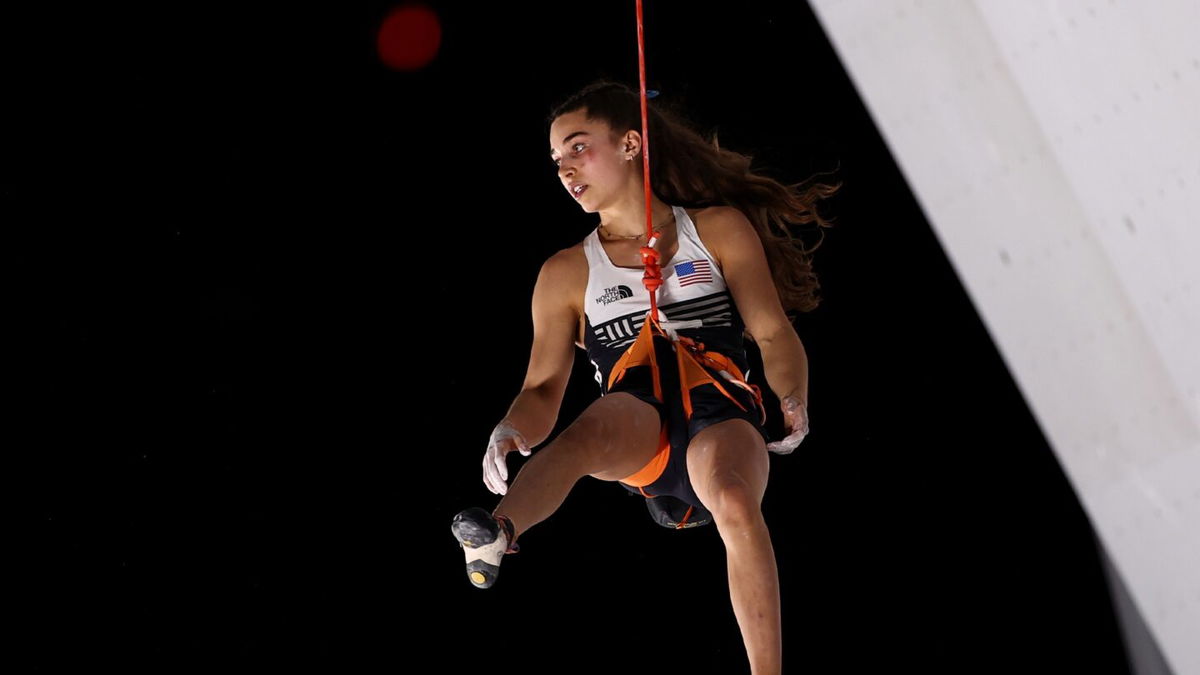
[613, 437]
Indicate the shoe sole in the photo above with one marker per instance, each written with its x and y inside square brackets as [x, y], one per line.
[483, 545]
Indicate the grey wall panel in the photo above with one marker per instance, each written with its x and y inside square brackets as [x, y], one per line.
[1055, 149]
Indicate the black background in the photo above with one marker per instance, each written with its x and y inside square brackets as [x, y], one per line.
[281, 297]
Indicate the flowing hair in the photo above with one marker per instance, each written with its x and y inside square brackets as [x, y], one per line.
[689, 170]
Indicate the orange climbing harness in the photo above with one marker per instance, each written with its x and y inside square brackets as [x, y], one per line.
[692, 360]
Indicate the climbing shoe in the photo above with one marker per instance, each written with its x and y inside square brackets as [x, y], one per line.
[484, 540]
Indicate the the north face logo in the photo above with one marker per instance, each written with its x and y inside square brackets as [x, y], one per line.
[614, 294]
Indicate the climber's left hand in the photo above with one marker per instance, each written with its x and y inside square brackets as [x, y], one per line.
[795, 419]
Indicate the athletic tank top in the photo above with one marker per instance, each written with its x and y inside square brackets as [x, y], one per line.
[693, 288]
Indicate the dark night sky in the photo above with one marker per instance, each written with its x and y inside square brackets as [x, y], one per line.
[281, 297]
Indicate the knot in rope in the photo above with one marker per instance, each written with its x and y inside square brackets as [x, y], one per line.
[652, 278]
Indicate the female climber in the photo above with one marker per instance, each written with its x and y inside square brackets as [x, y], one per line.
[676, 418]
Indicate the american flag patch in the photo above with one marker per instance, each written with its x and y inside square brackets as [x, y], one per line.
[693, 272]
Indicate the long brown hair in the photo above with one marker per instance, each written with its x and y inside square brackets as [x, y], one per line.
[689, 170]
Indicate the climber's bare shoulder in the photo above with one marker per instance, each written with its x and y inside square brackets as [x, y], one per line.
[563, 283]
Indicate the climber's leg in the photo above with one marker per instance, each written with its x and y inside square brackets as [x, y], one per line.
[728, 464]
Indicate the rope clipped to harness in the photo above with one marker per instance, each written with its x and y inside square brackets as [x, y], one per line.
[652, 278]
[695, 365]
[642, 350]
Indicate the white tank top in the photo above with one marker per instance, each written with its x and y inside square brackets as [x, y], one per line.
[693, 288]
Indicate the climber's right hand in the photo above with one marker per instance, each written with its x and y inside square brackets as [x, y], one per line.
[504, 440]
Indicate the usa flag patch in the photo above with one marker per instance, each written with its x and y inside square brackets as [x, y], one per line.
[693, 272]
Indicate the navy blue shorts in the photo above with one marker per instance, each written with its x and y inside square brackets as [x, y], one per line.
[709, 406]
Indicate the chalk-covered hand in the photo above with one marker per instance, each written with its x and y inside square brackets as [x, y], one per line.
[795, 420]
[504, 440]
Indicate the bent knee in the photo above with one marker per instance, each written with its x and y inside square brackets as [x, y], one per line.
[733, 499]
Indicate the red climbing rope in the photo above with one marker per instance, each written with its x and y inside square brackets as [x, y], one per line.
[652, 278]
